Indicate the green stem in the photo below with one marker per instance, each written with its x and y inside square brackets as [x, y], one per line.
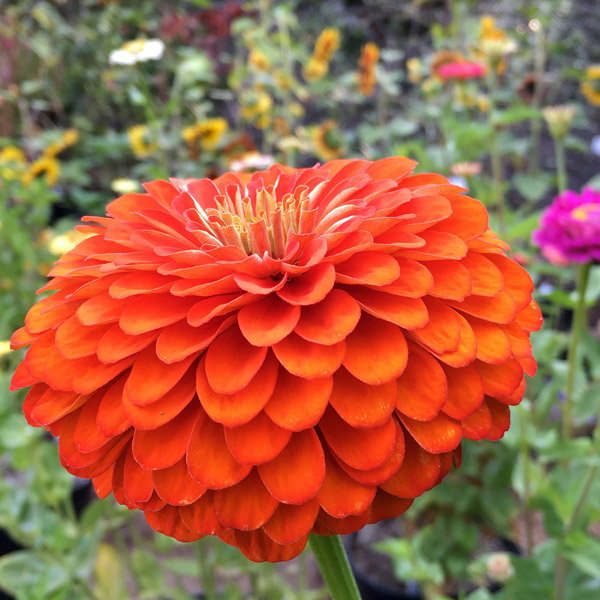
[497, 175]
[539, 61]
[561, 168]
[524, 451]
[330, 555]
[579, 323]
[207, 576]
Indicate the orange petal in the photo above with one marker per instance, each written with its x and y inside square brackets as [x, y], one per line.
[346, 525]
[296, 474]
[111, 418]
[164, 446]
[517, 281]
[246, 505]
[465, 391]
[499, 309]
[200, 516]
[290, 522]
[340, 495]
[386, 506]
[478, 425]
[21, 378]
[137, 482]
[242, 440]
[514, 398]
[31, 399]
[168, 521]
[258, 285]
[209, 460]
[418, 473]
[175, 485]
[74, 340]
[306, 359]
[438, 245]
[240, 407]
[329, 321]
[530, 318]
[298, 403]
[486, 277]
[310, 287]
[529, 365]
[368, 268]
[386, 470]
[140, 282]
[103, 483]
[101, 309]
[415, 280]
[150, 378]
[257, 546]
[116, 344]
[442, 332]
[518, 339]
[53, 405]
[500, 414]
[145, 314]
[362, 449]
[469, 218]
[442, 434]
[500, 380]
[493, 345]
[376, 351]
[466, 350]
[451, 279]
[362, 405]
[164, 409]
[268, 321]
[180, 340]
[422, 387]
[87, 436]
[408, 313]
[214, 306]
[231, 362]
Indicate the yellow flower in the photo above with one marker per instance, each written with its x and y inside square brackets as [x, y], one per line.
[141, 145]
[559, 119]
[367, 79]
[483, 103]
[258, 60]
[327, 141]
[284, 81]
[327, 44]
[414, 67]
[494, 42]
[4, 347]
[63, 243]
[256, 104]
[209, 132]
[315, 69]
[296, 109]
[590, 86]
[68, 138]
[47, 165]
[15, 159]
[263, 121]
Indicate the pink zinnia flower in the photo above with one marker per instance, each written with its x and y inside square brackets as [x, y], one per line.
[570, 228]
[462, 70]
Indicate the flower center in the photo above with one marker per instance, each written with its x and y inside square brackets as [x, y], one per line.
[582, 213]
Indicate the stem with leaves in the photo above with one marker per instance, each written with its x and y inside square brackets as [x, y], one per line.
[497, 175]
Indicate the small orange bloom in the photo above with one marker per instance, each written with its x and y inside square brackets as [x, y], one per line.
[271, 354]
[367, 63]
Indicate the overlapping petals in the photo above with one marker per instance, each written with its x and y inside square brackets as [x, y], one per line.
[263, 356]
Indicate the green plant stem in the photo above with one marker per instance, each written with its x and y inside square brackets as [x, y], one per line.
[497, 175]
[524, 451]
[561, 168]
[539, 61]
[207, 576]
[333, 563]
[579, 323]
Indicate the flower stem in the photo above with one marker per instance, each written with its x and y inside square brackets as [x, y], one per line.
[334, 566]
[207, 576]
[579, 323]
[561, 168]
[497, 175]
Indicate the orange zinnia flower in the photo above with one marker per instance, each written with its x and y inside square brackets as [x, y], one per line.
[271, 354]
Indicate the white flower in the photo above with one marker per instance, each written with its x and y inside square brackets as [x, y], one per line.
[252, 160]
[137, 51]
[123, 185]
[499, 567]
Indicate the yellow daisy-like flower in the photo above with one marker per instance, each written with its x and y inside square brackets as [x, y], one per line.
[124, 185]
[590, 86]
[47, 165]
[327, 140]
[255, 105]
[68, 138]
[12, 162]
[258, 60]
[327, 44]
[139, 139]
[315, 69]
[208, 132]
[414, 67]
[559, 119]
[369, 56]
[63, 243]
[4, 347]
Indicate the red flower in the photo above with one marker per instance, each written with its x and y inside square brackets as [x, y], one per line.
[262, 356]
[462, 70]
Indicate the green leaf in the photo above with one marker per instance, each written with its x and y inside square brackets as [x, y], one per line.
[516, 114]
[584, 552]
[182, 566]
[24, 569]
[532, 188]
[594, 182]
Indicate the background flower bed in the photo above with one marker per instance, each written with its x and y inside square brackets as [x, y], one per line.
[234, 85]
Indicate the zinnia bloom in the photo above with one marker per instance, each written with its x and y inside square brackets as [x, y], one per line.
[462, 70]
[209, 132]
[139, 139]
[271, 354]
[570, 228]
[137, 51]
[50, 167]
[328, 141]
[327, 44]
[590, 86]
[367, 79]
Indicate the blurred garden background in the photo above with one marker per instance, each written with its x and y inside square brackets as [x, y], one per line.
[503, 98]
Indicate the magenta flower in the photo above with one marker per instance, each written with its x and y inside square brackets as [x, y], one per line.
[462, 69]
[570, 228]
